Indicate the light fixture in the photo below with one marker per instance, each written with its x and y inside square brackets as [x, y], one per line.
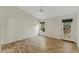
[41, 11]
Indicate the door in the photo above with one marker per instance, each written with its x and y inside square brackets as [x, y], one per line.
[11, 30]
[67, 31]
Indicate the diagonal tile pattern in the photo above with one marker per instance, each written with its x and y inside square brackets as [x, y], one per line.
[40, 44]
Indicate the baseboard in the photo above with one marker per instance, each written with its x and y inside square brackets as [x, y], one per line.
[69, 41]
[18, 40]
[50, 37]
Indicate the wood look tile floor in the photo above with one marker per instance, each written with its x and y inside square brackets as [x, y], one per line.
[40, 44]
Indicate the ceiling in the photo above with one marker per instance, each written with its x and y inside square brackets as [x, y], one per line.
[49, 11]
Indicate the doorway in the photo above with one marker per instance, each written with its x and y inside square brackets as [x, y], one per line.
[67, 24]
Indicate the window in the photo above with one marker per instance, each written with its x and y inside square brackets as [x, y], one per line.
[42, 27]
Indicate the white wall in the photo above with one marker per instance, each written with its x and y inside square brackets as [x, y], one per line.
[78, 28]
[16, 24]
[54, 26]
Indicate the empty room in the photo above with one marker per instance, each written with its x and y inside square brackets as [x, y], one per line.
[39, 29]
